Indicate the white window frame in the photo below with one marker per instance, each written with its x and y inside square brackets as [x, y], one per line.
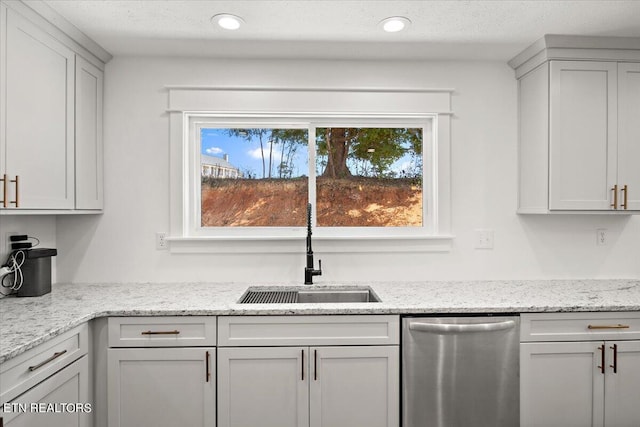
[412, 108]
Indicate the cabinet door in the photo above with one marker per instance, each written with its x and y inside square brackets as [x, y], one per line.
[70, 385]
[3, 97]
[88, 145]
[629, 132]
[263, 386]
[582, 131]
[39, 131]
[561, 384]
[354, 386]
[622, 387]
[161, 387]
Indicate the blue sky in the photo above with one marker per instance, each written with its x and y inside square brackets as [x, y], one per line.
[245, 155]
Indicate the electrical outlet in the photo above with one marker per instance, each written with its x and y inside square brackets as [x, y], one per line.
[484, 239]
[601, 236]
[6, 243]
[161, 240]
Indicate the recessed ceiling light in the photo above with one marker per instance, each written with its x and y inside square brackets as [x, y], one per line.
[227, 21]
[394, 24]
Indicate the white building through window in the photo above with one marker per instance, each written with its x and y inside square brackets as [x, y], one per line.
[218, 167]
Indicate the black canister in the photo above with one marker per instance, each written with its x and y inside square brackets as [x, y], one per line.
[36, 272]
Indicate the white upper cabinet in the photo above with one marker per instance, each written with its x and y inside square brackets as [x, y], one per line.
[50, 115]
[629, 133]
[88, 146]
[579, 133]
[38, 153]
[582, 137]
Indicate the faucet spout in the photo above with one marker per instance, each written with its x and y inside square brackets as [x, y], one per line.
[309, 270]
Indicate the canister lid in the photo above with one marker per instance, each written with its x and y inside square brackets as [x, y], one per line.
[40, 253]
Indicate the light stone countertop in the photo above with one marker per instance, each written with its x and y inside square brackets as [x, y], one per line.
[27, 322]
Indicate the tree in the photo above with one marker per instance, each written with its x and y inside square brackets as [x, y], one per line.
[378, 146]
[289, 140]
[372, 150]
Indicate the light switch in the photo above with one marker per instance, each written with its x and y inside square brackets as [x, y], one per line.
[484, 239]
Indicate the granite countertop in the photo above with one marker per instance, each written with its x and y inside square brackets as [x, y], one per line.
[27, 322]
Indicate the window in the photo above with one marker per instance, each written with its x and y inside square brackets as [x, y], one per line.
[247, 175]
[366, 173]
[252, 176]
[369, 176]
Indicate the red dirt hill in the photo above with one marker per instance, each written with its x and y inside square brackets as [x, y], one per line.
[282, 202]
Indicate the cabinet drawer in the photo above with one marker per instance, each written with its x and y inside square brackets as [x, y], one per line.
[70, 385]
[238, 331]
[188, 331]
[579, 326]
[28, 369]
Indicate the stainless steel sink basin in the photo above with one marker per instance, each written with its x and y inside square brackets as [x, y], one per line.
[326, 296]
[308, 296]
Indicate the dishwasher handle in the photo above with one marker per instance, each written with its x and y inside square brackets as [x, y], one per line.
[453, 328]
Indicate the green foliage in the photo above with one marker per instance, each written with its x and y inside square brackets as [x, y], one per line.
[288, 139]
[368, 151]
[372, 151]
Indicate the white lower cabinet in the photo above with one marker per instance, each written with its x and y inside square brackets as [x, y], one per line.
[561, 385]
[48, 385]
[161, 387]
[567, 383]
[59, 401]
[622, 388]
[308, 386]
[354, 386]
[161, 371]
[329, 385]
[265, 387]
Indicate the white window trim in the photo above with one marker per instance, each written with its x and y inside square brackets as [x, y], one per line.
[310, 105]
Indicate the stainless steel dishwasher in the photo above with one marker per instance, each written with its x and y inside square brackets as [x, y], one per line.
[460, 371]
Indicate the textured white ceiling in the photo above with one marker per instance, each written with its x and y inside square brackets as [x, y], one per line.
[342, 28]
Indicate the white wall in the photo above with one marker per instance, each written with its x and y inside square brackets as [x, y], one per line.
[119, 246]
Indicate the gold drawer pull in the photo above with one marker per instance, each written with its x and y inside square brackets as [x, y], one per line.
[41, 364]
[5, 185]
[16, 201]
[176, 332]
[614, 205]
[618, 326]
[625, 204]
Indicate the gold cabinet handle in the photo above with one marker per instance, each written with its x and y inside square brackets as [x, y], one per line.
[208, 370]
[16, 202]
[176, 332]
[5, 184]
[618, 326]
[601, 367]
[44, 362]
[614, 205]
[626, 195]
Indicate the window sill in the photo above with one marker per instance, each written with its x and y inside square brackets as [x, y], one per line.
[284, 245]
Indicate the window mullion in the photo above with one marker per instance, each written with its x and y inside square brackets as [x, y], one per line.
[312, 171]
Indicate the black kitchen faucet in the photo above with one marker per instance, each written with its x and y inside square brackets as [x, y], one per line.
[309, 271]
